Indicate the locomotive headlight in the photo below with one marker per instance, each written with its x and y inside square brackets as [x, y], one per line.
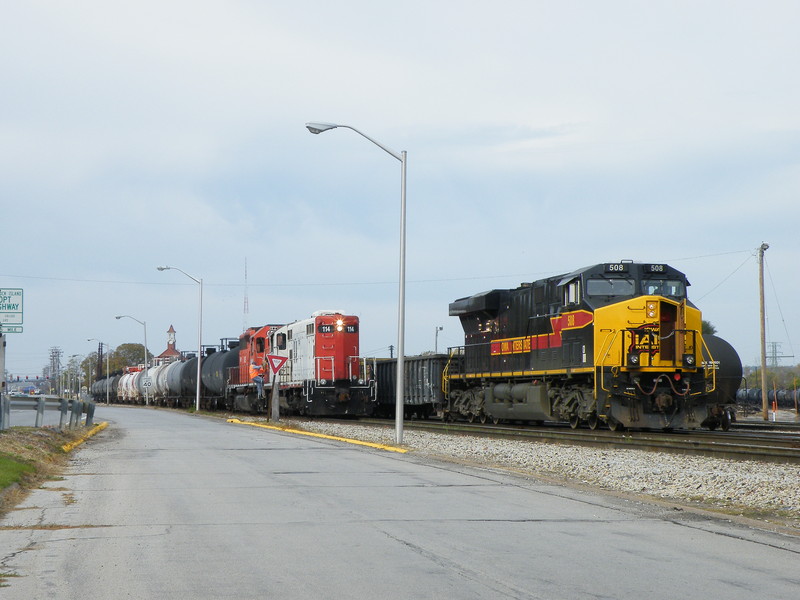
[339, 325]
[688, 360]
[651, 310]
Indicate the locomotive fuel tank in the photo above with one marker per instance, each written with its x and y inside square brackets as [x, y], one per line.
[518, 401]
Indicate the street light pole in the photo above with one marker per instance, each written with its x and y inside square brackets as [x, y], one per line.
[764, 392]
[199, 330]
[143, 324]
[436, 339]
[108, 374]
[316, 128]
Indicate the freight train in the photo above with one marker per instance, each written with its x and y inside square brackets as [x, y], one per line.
[323, 374]
[617, 344]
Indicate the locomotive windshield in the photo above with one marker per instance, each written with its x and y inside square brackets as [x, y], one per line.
[610, 287]
[663, 287]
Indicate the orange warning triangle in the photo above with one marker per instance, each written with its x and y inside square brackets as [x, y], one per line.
[276, 362]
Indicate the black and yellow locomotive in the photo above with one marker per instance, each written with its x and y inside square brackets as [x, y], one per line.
[614, 343]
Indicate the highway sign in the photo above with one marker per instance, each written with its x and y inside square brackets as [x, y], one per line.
[10, 328]
[11, 306]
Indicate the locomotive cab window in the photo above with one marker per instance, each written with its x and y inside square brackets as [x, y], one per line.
[610, 287]
[672, 288]
[280, 341]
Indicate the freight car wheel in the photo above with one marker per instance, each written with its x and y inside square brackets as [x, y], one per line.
[725, 421]
[483, 418]
[574, 421]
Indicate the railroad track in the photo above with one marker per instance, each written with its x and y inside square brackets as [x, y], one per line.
[746, 443]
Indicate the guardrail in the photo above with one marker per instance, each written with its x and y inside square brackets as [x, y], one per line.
[71, 410]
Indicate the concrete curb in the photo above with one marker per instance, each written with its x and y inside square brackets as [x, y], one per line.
[321, 435]
[72, 445]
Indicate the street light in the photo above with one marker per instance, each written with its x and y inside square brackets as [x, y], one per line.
[436, 339]
[73, 363]
[401, 303]
[199, 330]
[143, 324]
[108, 357]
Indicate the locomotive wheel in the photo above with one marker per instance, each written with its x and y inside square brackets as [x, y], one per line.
[496, 420]
[471, 418]
[615, 425]
[593, 421]
[574, 421]
[483, 417]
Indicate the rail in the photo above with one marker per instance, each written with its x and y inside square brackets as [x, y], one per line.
[71, 410]
[778, 446]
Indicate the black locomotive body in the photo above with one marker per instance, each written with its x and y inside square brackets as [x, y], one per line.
[615, 343]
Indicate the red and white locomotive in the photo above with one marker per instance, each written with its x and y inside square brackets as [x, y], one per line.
[323, 373]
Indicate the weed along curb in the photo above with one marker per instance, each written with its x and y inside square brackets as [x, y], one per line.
[72, 445]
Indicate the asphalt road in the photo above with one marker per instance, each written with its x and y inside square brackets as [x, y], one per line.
[166, 505]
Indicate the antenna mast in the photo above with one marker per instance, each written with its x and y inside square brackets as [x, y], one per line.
[246, 311]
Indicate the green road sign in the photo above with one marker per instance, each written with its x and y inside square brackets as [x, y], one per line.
[11, 306]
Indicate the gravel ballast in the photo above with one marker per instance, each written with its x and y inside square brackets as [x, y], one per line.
[753, 489]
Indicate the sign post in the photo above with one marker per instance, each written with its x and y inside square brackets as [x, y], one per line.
[2, 375]
[275, 364]
[10, 322]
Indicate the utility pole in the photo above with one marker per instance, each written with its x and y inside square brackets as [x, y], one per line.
[764, 403]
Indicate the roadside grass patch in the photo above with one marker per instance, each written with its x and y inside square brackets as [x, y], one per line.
[11, 471]
[29, 456]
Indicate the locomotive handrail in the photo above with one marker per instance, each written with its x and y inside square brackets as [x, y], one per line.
[605, 353]
[706, 368]
[318, 368]
[446, 372]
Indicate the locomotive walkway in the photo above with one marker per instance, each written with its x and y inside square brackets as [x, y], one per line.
[168, 505]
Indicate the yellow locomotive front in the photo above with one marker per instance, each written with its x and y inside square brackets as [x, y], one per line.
[653, 368]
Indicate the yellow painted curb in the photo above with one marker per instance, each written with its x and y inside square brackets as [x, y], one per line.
[72, 445]
[321, 435]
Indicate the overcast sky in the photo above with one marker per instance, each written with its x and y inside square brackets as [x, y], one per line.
[542, 136]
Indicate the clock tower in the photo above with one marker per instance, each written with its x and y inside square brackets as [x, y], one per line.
[171, 351]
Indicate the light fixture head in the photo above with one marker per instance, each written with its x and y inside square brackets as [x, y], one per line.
[163, 268]
[320, 127]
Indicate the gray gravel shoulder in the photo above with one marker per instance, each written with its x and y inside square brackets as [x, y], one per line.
[765, 491]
